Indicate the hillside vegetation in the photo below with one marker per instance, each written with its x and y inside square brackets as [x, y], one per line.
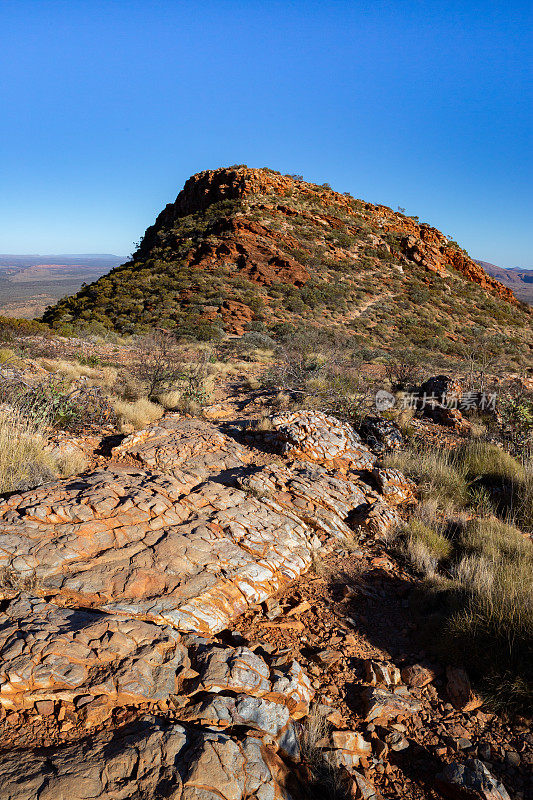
[252, 250]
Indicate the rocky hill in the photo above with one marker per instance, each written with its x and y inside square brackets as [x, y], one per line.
[520, 281]
[250, 249]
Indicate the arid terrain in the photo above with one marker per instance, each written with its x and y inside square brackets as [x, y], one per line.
[29, 284]
[224, 574]
[266, 508]
[244, 250]
[520, 281]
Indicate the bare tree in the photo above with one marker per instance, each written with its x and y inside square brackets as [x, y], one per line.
[158, 363]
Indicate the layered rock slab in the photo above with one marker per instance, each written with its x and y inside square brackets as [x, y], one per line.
[319, 437]
[333, 503]
[183, 548]
[323, 498]
[236, 710]
[145, 545]
[161, 552]
[148, 759]
[177, 443]
[51, 653]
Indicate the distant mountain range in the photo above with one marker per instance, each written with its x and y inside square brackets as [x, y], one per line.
[22, 260]
[520, 281]
[30, 283]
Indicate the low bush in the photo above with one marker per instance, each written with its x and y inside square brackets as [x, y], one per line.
[436, 544]
[492, 538]
[479, 570]
[54, 402]
[494, 627]
[489, 462]
[71, 463]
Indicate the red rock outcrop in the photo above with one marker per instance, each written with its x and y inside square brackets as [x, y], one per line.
[254, 248]
[242, 247]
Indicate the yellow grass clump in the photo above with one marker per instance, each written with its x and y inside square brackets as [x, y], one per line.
[24, 461]
[137, 414]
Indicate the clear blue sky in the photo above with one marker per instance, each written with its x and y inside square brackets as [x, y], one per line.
[107, 107]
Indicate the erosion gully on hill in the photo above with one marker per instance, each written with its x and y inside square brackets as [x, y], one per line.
[170, 617]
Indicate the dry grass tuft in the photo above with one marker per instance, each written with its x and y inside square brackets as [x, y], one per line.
[495, 624]
[24, 461]
[73, 463]
[424, 546]
[170, 400]
[328, 782]
[104, 377]
[9, 358]
[477, 562]
[522, 510]
[252, 383]
[137, 414]
[435, 471]
[483, 459]
[492, 538]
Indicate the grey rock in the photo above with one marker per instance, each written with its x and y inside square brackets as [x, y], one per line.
[470, 780]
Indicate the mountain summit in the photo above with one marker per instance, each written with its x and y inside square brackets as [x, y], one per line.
[250, 249]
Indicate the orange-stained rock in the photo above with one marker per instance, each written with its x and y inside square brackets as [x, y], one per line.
[460, 691]
[417, 676]
[315, 436]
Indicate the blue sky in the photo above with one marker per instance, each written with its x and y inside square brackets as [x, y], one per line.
[107, 107]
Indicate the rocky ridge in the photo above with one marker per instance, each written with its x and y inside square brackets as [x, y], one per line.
[124, 591]
[114, 584]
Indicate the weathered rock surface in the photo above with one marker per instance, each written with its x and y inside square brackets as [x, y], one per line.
[394, 486]
[183, 445]
[150, 759]
[239, 710]
[144, 545]
[348, 749]
[55, 653]
[114, 583]
[470, 781]
[460, 691]
[380, 434]
[417, 676]
[377, 518]
[322, 498]
[364, 789]
[174, 548]
[378, 673]
[450, 417]
[442, 388]
[379, 704]
[315, 436]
